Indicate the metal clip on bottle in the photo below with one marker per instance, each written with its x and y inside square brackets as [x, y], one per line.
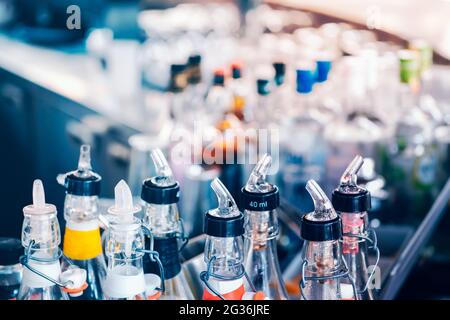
[224, 227]
[352, 203]
[323, 266]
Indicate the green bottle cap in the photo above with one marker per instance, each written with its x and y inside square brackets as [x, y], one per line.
[409, 66]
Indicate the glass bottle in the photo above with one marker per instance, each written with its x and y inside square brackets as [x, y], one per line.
[352, 203]
[410, 161]
[125, 240]
[82, 243]
[160, 195]
[224, 251]
[322, 266]
[260, 200]
[219, 99]
[302, 161]
[42, 277]
[239, 90]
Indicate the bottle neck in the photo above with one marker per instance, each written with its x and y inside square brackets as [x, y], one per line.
[226, 255]
[407, 97]
[80, 209]
[355, 225]
[123, 243]
[323, 258]
[261, 227]
[163, 220]
[42, 233]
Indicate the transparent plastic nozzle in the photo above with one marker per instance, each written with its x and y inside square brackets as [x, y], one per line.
[84, 169]
[323, 209]
[84, 162]
[227, 206]
[123, 201]
[164, 176]
[348, 182]
[257, 181]
[39, 206]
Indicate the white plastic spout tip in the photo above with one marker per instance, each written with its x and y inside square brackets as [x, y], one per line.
[84, 163]
[123, 197]
[38, 194]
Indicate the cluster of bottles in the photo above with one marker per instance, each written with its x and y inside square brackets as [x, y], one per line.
[329, 104]
[336, 89]
[138, 258]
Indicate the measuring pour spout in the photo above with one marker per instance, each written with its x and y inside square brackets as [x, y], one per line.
[323, 209]
[349, 177]
[227, 206]
[164, 175]
[257, 181]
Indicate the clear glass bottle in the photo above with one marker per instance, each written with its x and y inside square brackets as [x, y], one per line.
[239, 90]
[322, 266]
[302, 161]
[260, 200]
[219, 99]
[262, 113]
[352, 203]
[160, 195]
[410, 161]
[224, 251]
[42, 277]
[282, 92]
[82, 242]
[125, 240]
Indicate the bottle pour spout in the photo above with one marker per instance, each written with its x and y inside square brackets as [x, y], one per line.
[164, 173]
[227, 206]
[349, 177]
[257, 181]
[323, 209]
[84, 162]
[39, 206]
[123, 204]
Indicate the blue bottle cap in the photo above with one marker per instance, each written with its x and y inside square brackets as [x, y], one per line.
[323, 68]
[305, 81]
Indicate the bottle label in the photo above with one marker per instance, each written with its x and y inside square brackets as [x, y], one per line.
[33, 280]
[82, 241]
[123, 282]
[230, 290]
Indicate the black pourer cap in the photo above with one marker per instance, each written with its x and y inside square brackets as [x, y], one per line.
[10, 251]
[153, 193]
[195, 60]
[236, 71]
[177, 68]
[219, 79]
[320, 230]
[259, 201]
[83, 186]
[263, 86]
[351, 202]
[280, 69]
[224, 227]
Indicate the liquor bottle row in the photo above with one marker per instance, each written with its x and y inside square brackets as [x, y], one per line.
[139, 258]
